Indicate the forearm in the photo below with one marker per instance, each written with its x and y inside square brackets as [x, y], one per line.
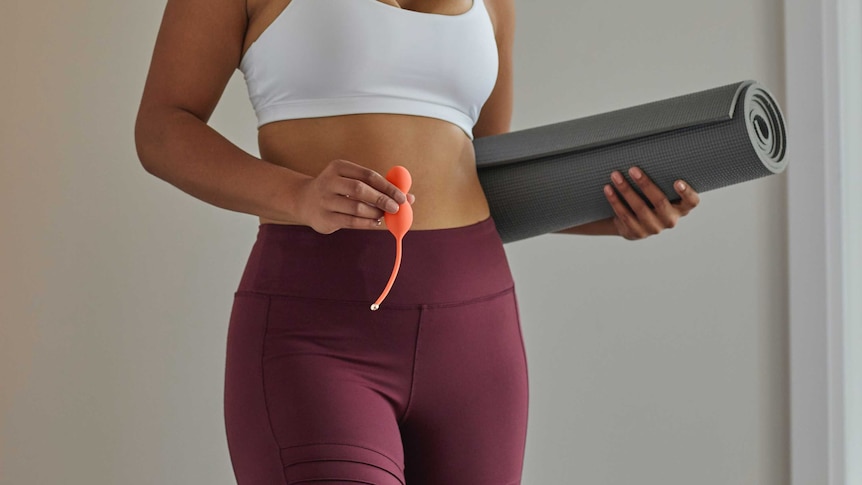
[603, 227]
[184, 151]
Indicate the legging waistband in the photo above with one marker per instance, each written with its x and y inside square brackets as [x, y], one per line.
[439, 266]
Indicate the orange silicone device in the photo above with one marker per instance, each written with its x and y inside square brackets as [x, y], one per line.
[398, 223]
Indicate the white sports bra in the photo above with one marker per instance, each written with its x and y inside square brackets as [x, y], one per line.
[336, 57]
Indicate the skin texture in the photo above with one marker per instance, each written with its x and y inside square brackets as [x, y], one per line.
[326, 172]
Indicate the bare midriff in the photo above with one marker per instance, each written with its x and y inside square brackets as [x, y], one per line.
[438, 154]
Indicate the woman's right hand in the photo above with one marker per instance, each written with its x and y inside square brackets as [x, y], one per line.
[346, 195]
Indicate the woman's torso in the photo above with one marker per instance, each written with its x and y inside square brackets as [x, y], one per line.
[438, 153]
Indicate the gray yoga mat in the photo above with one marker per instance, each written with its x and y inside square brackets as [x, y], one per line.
[544, 179]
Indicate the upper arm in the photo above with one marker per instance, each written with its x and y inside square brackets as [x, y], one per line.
[496, 114]
[196, 51]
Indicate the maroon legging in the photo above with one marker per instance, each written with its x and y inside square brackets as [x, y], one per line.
[431, 389]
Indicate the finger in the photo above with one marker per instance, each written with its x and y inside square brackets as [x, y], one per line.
[666, 213]
[372, 179]
[354, 207]
[689, 198]
[622, 212]
[351, 222]
[358, 190]
[646, 217]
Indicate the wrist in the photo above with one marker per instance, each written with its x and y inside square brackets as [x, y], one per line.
[283, 198]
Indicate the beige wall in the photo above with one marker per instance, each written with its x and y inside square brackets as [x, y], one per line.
[656, 362]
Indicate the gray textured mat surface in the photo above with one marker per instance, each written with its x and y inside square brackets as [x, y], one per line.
[548, 178]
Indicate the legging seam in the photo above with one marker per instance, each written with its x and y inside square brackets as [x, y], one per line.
[413, 306]
[329, 460]
[313, 480]
[403, 417]
[263, 384]
[384, 455]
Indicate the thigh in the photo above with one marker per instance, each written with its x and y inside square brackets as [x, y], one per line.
[467, 422]
[311, 393]
[254, 453]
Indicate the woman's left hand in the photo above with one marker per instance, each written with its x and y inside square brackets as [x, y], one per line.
[642, 221]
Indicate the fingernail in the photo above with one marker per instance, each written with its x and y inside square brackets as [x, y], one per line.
[391, 207]
[617, 177]
[681, 186]
[636, 173]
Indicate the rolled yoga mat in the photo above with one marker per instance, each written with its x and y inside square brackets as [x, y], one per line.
[551, 177]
